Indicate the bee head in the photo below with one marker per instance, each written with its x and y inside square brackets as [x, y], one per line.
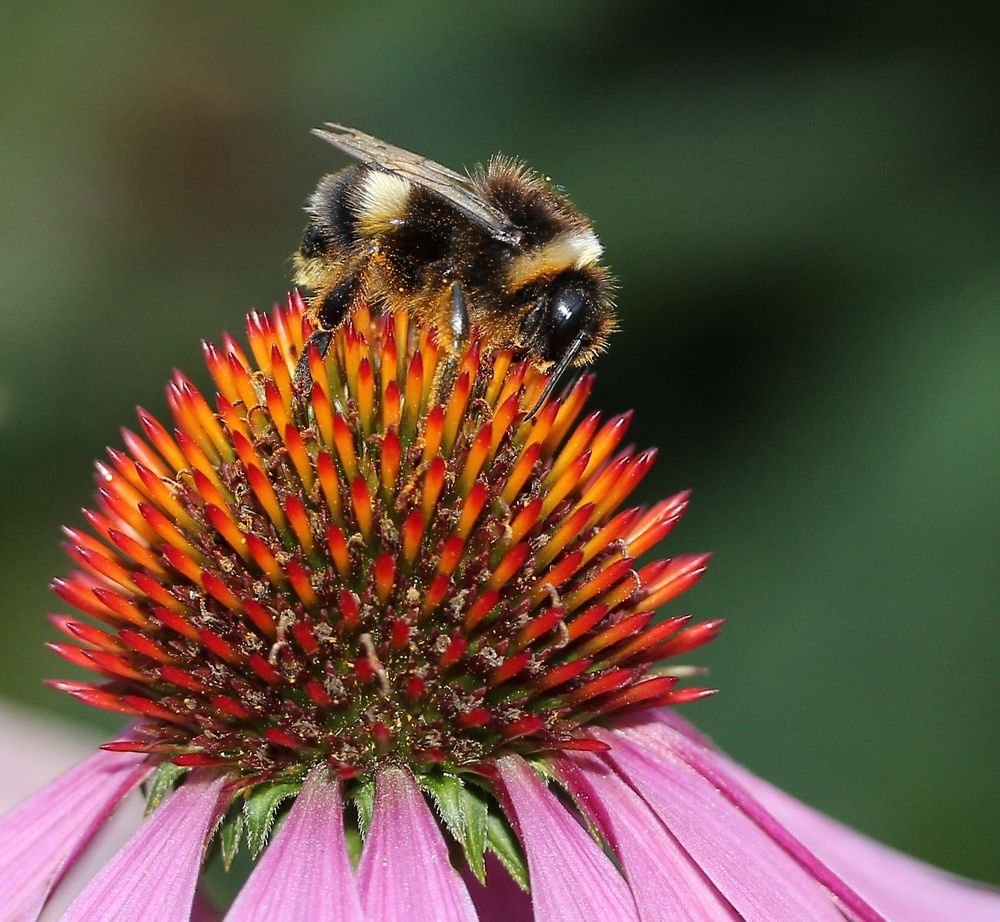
[565, 315]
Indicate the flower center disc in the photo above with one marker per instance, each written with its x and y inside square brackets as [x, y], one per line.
[359, 574]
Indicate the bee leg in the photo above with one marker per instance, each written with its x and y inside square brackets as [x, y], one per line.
[332, 311]
[458, 317]
[459, 328]
[334, 308]
[321, 340]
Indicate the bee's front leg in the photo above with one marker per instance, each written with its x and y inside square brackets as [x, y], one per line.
[458, 331]
[333, 309]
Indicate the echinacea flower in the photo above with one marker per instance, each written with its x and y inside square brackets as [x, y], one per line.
[405, 654]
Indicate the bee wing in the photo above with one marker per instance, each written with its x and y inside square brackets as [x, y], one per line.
[451, 186]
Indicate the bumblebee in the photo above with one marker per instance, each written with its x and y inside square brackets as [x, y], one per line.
[500, 249]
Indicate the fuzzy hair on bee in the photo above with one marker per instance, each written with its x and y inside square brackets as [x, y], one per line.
[500, 249]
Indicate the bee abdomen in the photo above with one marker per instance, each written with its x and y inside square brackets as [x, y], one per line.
[380, 201]
[354, 204]
[333, 221]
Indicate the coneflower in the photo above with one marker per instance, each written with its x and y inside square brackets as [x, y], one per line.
[406, 654]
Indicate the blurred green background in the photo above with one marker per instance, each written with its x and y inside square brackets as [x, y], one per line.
[802, 203]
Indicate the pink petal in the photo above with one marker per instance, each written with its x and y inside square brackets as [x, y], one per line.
[405, 874]
[669, 716]
[42, 837]
[708, 762]
[572, 880]
[749, 868]
[501, 899]
[899, 886]
[665, 882]
[154, 876]
[305, 872]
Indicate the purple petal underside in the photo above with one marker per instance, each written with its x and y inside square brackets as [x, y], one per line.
[154, 876]
[42, 837]
[756, 875]
[405, 874]
[665, 882]
[572, 880]
[203, 910]
[304, 874]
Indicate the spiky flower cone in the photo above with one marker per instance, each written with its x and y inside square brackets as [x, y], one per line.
[362, 576]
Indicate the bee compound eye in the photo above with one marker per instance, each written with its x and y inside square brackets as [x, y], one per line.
[567, 317]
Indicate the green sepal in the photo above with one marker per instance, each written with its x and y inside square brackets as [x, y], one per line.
[260, 809]
[162, 783]
[463, 810]
[230, 837]
[503, 843]
[352, 839]
[364, 800]
[542, 769]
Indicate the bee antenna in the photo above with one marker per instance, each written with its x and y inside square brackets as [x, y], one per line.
[560, 370]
